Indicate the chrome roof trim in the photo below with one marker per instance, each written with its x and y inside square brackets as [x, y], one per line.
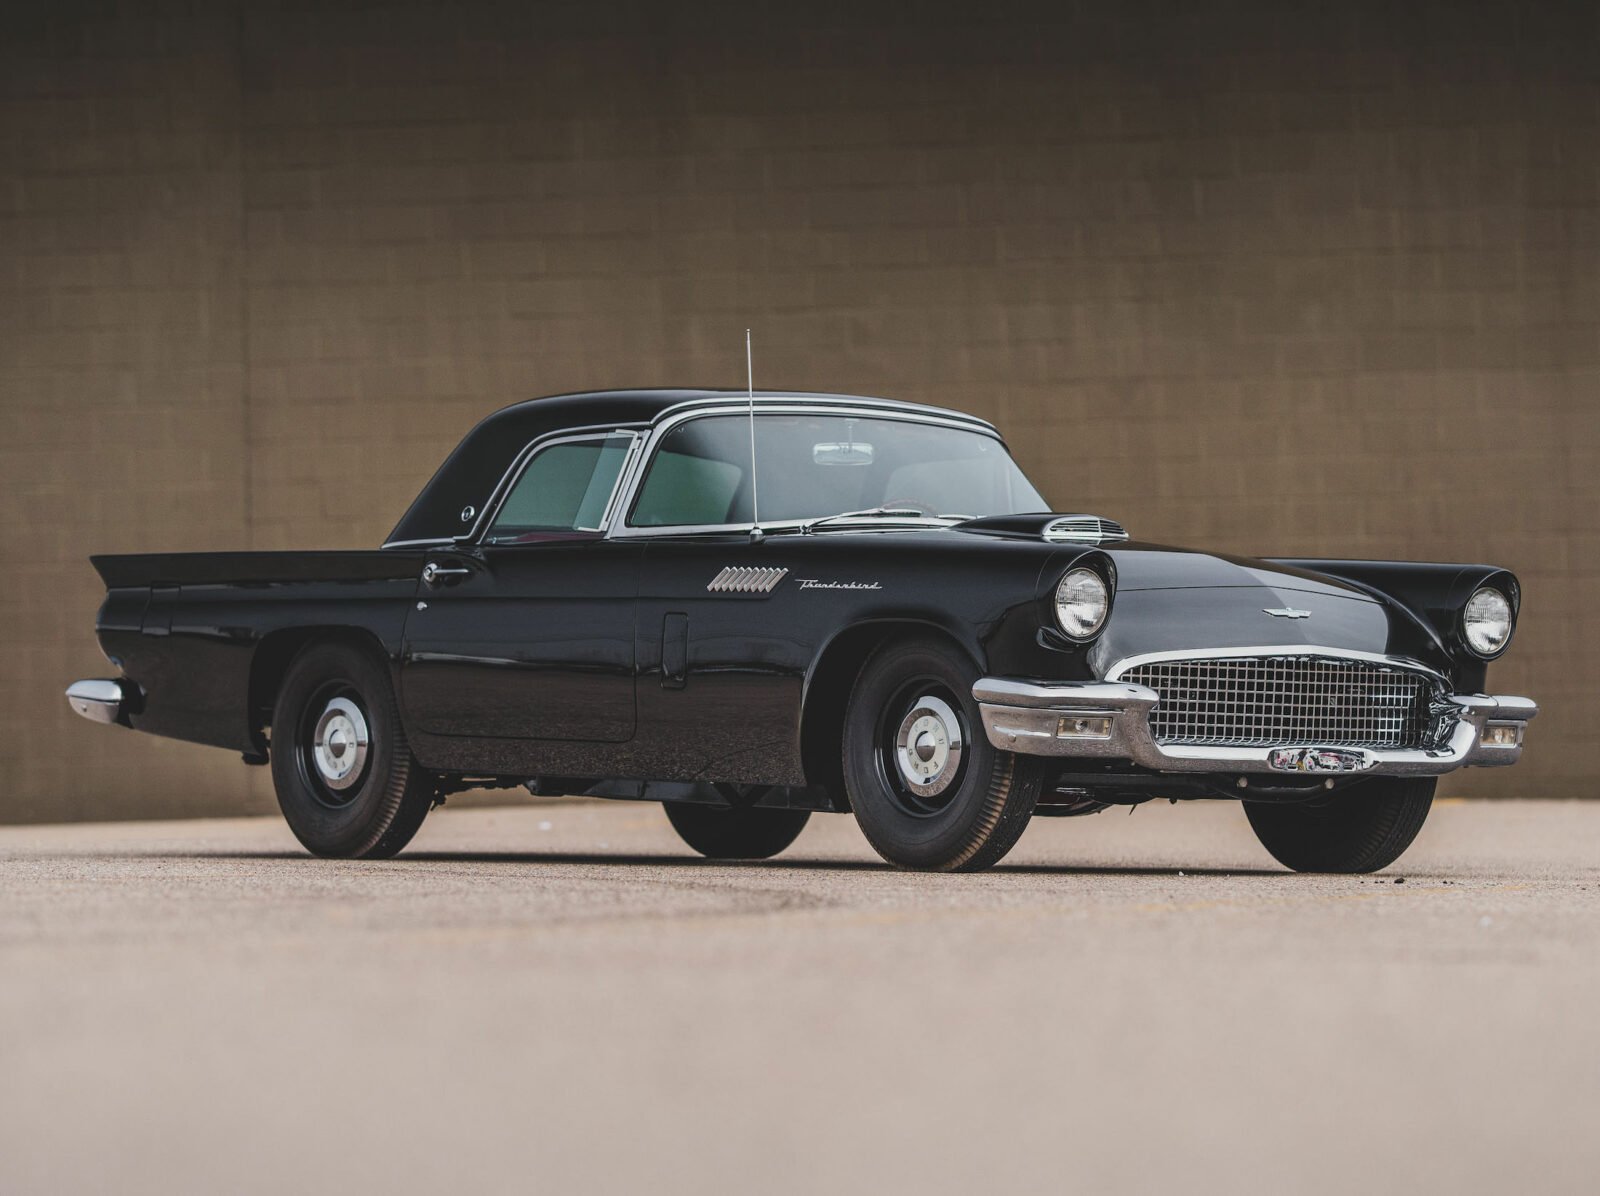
[741, 401]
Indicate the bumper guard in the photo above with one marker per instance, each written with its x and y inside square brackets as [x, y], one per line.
[99, 701]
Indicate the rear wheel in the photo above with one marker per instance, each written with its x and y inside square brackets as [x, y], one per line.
[735, 832]
[1360, 830]
[346, 779]
[927, 787]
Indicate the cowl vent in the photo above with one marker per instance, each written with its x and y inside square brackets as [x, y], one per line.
[1084, 529]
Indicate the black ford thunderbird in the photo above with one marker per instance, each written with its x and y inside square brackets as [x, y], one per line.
[753, 608]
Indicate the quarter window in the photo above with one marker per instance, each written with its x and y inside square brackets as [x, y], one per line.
[564, 488]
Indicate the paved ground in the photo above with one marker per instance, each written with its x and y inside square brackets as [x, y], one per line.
[558, 998]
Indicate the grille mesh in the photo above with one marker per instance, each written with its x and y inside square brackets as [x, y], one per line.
[1265, 701]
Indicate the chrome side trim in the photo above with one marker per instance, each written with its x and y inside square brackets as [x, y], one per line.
[1028, 717]
[435, 542]
[99, 701]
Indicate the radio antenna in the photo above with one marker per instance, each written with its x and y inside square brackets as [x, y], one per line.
[750, 390]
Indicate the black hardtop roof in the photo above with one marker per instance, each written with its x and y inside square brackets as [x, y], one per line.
[470, 473]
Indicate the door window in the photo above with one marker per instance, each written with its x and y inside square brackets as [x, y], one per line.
[564, 488]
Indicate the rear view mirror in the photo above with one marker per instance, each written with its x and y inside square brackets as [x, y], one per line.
[853, 453]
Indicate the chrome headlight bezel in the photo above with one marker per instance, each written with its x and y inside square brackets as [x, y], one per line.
[1494, 607]
[1082, 587]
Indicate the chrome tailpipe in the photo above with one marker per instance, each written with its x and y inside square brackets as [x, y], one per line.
[99, 701]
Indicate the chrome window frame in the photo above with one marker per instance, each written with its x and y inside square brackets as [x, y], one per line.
[624, 529]
[479, 534]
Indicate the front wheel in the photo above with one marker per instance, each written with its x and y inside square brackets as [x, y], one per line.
[928, 788]
[1362, 829]
[346, 779]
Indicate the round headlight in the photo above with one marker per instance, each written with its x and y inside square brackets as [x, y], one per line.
[1082, 601]
[1486, 621]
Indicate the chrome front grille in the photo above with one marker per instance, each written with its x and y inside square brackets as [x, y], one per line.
[1264, 701]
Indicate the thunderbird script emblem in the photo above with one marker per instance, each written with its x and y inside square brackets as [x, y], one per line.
[1285, 612]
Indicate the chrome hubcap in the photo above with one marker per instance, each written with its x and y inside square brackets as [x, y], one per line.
[928, 746]
[339, 744]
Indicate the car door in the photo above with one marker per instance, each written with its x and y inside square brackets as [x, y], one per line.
[529, 635]
[721, 660]
[722, 657]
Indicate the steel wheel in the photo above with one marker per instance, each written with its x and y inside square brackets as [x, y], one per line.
[346, 780]
[922, 743]
[926, 792]
[335, 744]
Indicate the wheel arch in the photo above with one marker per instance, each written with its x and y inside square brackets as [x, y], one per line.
[278, 649]
[833, 675]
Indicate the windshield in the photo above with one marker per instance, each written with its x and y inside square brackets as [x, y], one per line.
[813, 466]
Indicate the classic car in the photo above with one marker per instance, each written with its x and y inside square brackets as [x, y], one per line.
[753, 608]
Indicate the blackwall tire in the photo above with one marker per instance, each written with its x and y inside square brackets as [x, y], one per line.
[736, 833]
[344, 798]
[928, 789]
[1362, 829]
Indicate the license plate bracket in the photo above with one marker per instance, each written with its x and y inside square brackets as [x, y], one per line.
[1319, 759]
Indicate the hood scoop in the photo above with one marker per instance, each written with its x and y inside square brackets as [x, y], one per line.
[1048, 526]
[1084, 529]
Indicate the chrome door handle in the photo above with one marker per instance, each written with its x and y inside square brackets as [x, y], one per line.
[434, 574]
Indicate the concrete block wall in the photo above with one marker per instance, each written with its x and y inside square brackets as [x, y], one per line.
[1265, 278]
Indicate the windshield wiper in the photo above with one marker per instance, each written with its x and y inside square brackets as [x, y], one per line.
[869, 513]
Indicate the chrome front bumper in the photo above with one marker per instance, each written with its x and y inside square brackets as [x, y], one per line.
[1108, 720]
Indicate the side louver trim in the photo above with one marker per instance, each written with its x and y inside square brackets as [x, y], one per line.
[736, 579]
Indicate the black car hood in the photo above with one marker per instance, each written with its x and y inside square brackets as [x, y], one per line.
[1168, 600]
[1158, 567]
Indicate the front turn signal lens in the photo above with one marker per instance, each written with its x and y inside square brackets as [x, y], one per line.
[1074, 726]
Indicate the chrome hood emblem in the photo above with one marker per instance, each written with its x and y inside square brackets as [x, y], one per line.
[1285, 612]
